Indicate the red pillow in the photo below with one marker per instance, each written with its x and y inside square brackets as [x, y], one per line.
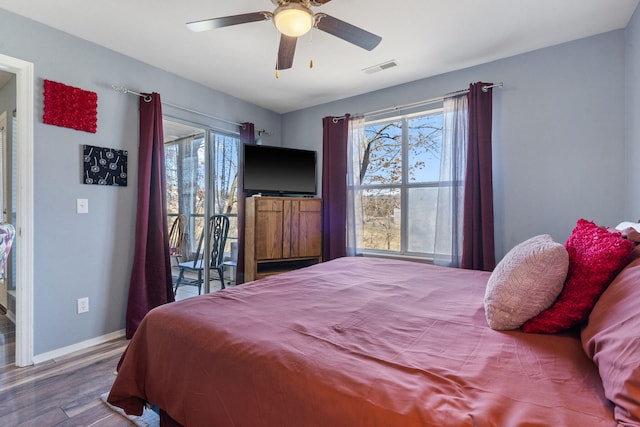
[596, 255]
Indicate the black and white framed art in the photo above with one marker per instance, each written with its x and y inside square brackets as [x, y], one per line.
[104, 166]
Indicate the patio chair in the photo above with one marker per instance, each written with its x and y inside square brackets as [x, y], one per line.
[218, 231]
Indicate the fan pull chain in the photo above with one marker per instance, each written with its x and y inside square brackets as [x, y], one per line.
[277, 55]
[311, 45]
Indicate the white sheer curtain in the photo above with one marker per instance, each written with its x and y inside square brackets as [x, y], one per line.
[354, 193]
[449, 215]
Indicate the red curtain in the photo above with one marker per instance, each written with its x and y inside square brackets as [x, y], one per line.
[150, 284]
[334, 187]
[247, 136]
[478, 251]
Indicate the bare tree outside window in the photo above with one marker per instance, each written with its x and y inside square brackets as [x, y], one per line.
[225, 178]
[185, 164]
[400, 156]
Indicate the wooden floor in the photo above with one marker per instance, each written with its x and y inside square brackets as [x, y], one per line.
[61, 392]
[65, 391]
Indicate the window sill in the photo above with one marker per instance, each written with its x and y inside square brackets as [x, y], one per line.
[370, 254]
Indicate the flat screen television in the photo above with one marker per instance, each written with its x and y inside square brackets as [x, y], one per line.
[273, 170]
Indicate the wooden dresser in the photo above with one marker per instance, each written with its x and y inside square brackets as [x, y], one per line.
[281, 234]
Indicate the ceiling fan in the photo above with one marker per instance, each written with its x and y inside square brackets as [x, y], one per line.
[294, 18]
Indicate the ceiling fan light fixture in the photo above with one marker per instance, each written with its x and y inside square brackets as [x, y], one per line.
[293, 19]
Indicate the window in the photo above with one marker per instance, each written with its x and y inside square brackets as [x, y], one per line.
[399, 177]
[188, 151]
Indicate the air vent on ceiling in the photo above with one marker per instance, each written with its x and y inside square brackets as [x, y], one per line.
[379, 67]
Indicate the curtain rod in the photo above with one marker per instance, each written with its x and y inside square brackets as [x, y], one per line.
[147, 98]
[419, 103]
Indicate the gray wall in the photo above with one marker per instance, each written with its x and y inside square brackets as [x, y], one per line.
[90, 255]
[558, 133]
[632, 195]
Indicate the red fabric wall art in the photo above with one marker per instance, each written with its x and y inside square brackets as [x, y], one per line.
[70, 107]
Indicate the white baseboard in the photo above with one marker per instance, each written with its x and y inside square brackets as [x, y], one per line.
[50, 355]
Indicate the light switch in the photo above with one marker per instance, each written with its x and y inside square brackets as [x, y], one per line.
[82, 206]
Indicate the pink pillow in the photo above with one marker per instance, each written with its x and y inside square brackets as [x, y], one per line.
[611, 339]
[595, 257]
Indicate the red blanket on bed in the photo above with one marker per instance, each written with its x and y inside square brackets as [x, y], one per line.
[355, 342]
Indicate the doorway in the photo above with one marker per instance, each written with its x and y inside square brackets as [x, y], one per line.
[22, 251]
[202, 176]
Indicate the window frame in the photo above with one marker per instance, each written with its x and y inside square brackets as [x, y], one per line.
[404, 186]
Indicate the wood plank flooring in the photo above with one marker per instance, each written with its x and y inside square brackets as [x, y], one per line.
[61, 392]
[64, 392]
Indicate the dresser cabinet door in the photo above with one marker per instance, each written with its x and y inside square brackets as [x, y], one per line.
[268, 229]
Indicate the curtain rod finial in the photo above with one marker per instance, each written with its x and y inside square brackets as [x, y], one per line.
[487, 87]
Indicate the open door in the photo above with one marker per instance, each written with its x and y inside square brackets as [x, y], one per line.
[21, 263]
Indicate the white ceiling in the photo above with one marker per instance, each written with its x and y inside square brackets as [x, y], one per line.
[425, 38]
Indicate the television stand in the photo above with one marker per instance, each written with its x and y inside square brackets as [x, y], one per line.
[281, 234]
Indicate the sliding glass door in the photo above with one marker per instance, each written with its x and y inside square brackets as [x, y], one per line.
[202, 175]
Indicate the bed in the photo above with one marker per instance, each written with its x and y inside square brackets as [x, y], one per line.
[376, 342]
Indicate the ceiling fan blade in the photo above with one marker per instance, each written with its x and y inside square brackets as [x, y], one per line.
[286, 51]
[346, 31]
[225, 21]
[319, 2]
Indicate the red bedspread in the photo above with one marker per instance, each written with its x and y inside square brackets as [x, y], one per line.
[355, 342]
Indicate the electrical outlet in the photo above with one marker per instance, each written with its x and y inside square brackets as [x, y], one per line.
[83, 305]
